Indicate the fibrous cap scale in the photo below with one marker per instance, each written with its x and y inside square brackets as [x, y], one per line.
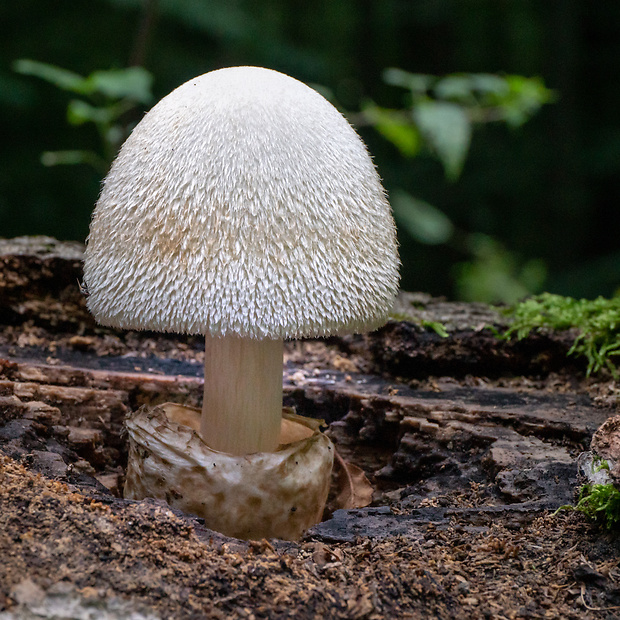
[242, 204]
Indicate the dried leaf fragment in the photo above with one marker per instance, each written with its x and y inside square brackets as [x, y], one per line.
[353, 489]
[264, 495]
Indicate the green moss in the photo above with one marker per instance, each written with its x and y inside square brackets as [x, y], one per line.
[599, 464]
[436, 326]
[599, 502]
[596, 321]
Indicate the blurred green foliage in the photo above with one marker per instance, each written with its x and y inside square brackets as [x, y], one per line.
[501, 201]
[105, 98]
[440, 112]
[440, 115]
[495, 274]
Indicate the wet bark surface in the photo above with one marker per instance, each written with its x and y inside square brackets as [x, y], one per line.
[470, 444]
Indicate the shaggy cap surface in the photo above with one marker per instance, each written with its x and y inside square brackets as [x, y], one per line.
[242, 204]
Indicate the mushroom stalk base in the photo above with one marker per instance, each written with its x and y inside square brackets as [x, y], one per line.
[242, 407]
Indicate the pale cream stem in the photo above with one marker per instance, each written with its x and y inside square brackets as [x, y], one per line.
[242, 408]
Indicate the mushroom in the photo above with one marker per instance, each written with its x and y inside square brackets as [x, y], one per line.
[243, 207]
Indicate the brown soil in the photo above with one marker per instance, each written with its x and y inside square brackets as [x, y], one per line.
[71, 545]
[468, 462]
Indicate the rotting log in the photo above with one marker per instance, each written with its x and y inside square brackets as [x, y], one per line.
[464, 432]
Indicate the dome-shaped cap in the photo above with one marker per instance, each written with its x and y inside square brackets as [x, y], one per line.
[243, 203]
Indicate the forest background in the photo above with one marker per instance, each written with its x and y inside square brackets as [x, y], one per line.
[527, 201]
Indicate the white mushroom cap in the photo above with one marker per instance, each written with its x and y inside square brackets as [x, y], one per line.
[242, 204]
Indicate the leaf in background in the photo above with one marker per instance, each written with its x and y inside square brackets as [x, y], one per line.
[394, 127]
[447, 129]
[133, 83]
[455, 88]
[417, 83]
[495, 274]
[472, 89]
[488, 83]
[80, 112]
[422, 221]
[62, 78]
[527, 95]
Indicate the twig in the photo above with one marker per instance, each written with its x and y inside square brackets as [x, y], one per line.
[227, 599]
[583, 602]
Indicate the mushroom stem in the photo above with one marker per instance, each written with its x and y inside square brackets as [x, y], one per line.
[242, 407]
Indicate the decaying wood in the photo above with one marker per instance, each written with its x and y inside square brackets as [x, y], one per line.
[469, 443]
